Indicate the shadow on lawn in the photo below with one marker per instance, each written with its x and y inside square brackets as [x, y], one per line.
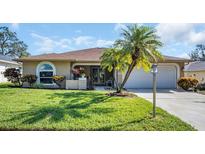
[122, 125]
[73, 104]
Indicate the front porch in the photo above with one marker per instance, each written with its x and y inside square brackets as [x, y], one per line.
[88, 76]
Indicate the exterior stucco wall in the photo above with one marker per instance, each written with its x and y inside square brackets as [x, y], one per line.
[199, 75]
[29, 67]
[62, 68]
[181, 66]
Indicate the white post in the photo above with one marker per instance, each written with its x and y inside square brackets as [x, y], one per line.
[154, 71]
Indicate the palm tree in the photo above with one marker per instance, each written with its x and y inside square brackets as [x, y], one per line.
[140, 44]
[113, 59]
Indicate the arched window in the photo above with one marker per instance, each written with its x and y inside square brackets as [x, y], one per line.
[45, 72]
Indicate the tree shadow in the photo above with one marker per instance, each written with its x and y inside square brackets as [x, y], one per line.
[72, 104]
[125, 124]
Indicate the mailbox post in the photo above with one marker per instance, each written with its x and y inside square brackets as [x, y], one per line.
[154, 72]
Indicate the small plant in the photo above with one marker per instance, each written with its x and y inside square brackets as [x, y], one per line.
[13, 75]
[187, 82]
[58, 80]
[30, 78]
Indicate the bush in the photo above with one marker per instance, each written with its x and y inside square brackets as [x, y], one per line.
[58, 79]
[6, 85]
[13, 75]
[30, 78]
[187, 82]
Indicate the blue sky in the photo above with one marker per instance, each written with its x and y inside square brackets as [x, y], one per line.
[178, 39]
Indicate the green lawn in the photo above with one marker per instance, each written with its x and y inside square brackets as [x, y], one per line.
[40, 109]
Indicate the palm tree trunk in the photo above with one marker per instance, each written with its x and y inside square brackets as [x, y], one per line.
[131, 67]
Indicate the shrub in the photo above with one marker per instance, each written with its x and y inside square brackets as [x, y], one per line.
[13, 75]
[58, 79]
[6, 85]
[187, 82]
[30, 78]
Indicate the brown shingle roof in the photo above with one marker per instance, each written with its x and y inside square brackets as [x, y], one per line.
[91, 54]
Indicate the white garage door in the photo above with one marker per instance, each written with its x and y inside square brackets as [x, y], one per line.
[166, 78]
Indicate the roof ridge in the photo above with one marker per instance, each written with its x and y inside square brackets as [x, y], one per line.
[83, 50]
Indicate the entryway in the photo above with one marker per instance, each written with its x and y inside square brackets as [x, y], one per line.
[100, 76]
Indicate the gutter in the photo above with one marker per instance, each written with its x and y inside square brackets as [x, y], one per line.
[70, 60]
[10, 62]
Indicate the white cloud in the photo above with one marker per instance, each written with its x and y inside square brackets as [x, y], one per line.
[54, 44]
[174, 32]
[197, 37]
[15, 26]
[78, 31]
[83, 40]
[118, 27]
[185, 33]
[46, 44]
[90, 41]
[103, 43]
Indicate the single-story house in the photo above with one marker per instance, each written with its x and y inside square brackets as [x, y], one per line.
[6, 62]
[46, 65]
[196, 69]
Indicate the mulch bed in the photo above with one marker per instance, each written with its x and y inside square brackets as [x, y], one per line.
[122, 94]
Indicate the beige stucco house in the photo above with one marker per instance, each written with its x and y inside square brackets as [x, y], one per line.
[196, 69]
[46, 65]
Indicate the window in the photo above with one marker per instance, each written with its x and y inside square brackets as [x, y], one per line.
[45, 73]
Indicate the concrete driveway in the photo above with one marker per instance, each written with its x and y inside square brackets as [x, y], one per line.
[188, 106]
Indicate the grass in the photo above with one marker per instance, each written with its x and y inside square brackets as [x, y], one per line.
[41, 109]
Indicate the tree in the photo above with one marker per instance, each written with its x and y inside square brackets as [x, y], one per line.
[139, 46]
[10, 45]
[13, 75]
[198, 54]
[113, 59]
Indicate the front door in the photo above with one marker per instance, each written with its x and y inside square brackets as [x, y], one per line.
[98, 75]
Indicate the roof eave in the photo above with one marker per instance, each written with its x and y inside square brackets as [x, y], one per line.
[10, 62]
[70, 60]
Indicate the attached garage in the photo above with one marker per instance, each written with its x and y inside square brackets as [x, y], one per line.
[166, 78]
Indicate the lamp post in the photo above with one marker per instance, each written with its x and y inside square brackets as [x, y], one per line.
[154, 72]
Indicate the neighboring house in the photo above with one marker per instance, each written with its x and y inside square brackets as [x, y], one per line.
[6, 62]
[196, 69]
[47, 65]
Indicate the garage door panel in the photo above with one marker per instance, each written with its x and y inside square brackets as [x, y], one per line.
[166, 78]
